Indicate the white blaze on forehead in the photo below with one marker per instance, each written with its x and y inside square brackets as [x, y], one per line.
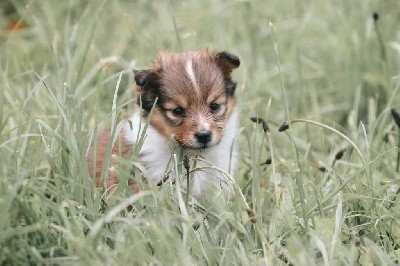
[190, 72]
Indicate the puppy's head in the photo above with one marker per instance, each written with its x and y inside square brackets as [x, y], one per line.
[195, 95]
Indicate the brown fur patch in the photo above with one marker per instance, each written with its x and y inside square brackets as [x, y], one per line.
[95, 160]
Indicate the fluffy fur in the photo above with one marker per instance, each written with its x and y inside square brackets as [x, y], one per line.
[194, 109]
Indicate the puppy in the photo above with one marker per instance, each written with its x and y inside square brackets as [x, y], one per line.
[194, 102]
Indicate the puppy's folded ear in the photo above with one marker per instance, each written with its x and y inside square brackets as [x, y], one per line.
[227, 62]
[145, 77]
[148, 83]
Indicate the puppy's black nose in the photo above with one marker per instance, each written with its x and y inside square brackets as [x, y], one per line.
[203, 136]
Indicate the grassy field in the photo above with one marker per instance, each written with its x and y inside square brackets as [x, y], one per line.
[324, 192]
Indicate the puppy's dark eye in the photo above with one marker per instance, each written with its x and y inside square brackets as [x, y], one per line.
[178, 111]
[214, 107]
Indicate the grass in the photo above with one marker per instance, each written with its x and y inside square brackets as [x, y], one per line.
[328, 193]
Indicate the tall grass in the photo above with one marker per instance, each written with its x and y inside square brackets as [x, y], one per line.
[323, 192]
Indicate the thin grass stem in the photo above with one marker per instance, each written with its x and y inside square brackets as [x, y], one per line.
[299, 178]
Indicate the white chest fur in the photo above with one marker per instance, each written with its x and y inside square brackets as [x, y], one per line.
[156, 154]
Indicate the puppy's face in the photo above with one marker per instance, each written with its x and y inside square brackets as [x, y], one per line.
[195, 96]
